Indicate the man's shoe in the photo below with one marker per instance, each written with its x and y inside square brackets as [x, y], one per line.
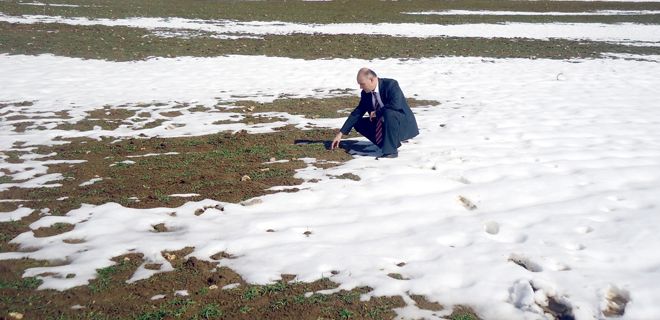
[389, 156]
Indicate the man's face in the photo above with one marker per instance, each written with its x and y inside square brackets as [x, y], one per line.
[367, 84]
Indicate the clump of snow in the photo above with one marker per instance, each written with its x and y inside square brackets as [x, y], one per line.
[31, 172]
[181, 293]
[152, 154]
[17, 214]
[231, 286]
[37, 3]
[124, 162]
[184, 195]
[90, 182]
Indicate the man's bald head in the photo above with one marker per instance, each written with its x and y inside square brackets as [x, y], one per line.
[367, 79]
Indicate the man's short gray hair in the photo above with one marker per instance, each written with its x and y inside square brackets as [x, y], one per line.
[366, 72]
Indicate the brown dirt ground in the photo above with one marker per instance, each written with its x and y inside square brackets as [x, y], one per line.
[328, 11]
[212, 166]
[127, 44]
[109, 297]
[334, 107]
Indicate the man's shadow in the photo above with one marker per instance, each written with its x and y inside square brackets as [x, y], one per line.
[352, 147]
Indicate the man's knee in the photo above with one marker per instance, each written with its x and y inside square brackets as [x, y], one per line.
[391, 117]
[365, 127]
[361, 126]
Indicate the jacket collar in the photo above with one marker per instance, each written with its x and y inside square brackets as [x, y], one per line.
[379, 88]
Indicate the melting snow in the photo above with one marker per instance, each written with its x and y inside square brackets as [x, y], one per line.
[561, 160]
[617, 32]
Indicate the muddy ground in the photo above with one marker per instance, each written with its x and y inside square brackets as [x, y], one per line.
[334, 11]
[213, 166]
[109, 297]
[126, 44]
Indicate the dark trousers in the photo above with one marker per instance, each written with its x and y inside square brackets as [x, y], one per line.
[391, 140]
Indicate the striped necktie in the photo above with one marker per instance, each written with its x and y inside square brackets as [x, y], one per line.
[379, 122]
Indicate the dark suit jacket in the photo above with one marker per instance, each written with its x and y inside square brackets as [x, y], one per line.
[393, 100]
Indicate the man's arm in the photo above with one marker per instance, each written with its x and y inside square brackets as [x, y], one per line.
[355, 115]
[353, 118]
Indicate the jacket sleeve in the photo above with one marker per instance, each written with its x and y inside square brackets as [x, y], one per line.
[395, 99]
[355, 115]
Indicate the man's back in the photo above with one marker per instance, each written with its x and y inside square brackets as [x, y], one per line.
[391, 93]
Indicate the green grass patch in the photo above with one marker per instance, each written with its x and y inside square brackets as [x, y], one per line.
[160, 196]
[210, 311]
[127, 44]
[104, 276]
[350, 297]
[463, 316]
[279, 304]
[345, 314]
[317, 298]
[6, 179]
[24, 283]
[252, 292]
[152, 315]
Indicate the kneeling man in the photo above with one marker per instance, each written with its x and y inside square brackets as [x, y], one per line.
[390, 119]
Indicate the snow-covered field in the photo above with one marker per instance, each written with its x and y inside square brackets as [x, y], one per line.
[534, 13]
[621, 32]
[535, 182]
[560, 158]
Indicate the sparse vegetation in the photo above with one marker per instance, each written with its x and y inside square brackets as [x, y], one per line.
[213, 165]
[331, 11]
[210, 311]
[127, 44]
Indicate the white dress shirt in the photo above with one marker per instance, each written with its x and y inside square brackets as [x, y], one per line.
[376, 96]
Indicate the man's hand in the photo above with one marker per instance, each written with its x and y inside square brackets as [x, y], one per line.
[372, 115]
[335, 142]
